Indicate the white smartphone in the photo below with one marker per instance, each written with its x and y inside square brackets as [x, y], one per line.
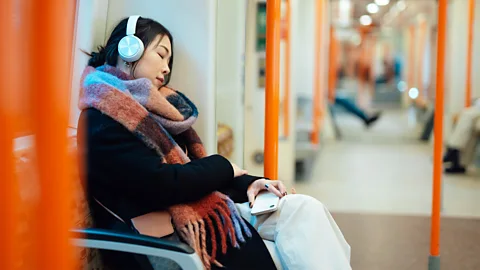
[266, 202]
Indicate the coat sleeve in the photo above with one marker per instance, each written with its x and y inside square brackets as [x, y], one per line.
[123, 163]
[238, 190]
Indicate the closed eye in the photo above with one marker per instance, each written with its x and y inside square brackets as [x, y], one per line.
[161, 56]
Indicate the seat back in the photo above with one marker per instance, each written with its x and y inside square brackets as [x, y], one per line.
[87, 257]
[82, 217]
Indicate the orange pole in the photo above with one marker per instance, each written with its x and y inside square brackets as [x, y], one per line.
[411, 58]
[371, 61]
[332, 81]
[51, 54]
[438, 124]
[286, 101]
[9, 81]
[272, 89]
[317, 90]
[420, 86]
[471, 20]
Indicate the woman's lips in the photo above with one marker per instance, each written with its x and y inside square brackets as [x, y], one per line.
[161, 80]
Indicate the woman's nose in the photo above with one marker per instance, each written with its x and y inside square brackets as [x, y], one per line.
[165, 70]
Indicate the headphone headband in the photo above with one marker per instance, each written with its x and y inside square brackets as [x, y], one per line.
[132, 24]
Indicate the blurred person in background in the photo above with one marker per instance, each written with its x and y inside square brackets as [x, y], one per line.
[463, 140]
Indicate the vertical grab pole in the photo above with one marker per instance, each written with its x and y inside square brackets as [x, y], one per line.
[9, 195]
[371, 60]
[332, 80]
[471, 21]
[420, 64]
[272, 89]
[317, 89]
[434, 259]
[411, 57]
[286, 101]
[53, 24]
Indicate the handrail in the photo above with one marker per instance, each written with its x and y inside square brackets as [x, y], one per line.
[471, 23]
[272, 88]
[317, 89]
[9, 82]
[286, 99]
[52, 35]
[434, 259]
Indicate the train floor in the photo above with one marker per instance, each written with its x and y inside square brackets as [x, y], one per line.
[377, 182]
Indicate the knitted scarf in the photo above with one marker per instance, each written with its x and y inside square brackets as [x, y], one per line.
[158, 117]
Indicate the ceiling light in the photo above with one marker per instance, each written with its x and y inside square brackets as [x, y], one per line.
[366, 20]
[372, 8]
[382, 2]
[394, 10]
[413, 93]
[402, 86]
[401, 5]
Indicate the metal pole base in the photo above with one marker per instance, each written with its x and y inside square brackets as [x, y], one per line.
[434, 262]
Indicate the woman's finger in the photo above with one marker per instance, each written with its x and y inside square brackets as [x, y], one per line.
[271, 188]
[294, 191]
[282, 188]
[251, 196]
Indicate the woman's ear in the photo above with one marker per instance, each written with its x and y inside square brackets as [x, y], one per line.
[124, 66]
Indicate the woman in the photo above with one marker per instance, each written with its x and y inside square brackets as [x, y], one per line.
[142, 157]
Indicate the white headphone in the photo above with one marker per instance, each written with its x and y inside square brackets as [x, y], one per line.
[130, 47]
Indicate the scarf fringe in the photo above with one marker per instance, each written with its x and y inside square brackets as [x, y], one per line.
[239, 222]
[223, 223]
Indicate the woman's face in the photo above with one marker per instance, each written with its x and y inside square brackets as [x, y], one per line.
[154, 63]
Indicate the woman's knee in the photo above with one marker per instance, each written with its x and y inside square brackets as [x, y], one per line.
[303, 200]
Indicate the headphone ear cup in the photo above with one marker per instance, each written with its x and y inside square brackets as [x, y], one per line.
[130, 48]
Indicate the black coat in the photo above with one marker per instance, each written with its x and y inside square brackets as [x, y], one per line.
[130, 179]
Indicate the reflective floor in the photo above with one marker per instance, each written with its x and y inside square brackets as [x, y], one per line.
[385, 169]
[378, 184]
[400, 242]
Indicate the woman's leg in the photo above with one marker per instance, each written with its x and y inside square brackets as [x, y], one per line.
[461, 138]
[464, 129]
[351, 108]
[252, 255]
[468, 155]
[305, 234]
[355, 110]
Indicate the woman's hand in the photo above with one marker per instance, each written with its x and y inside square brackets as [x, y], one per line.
[276, 187]
[237, 171]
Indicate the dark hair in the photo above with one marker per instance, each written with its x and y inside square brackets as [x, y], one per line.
[147, 30]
